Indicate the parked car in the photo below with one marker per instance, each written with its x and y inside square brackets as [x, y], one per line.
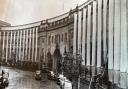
[58, 81]
[64, 82]
[2, 86]
[5, 75]
[38, 75]
[6, 79]
[52, 76]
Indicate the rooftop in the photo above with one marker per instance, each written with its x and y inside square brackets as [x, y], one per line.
[2, 23]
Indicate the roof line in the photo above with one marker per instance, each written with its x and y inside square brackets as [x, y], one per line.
[80, 6]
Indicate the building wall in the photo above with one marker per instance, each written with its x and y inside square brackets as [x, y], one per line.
[100, 28]
[2, 23]
[32, 42]
[97, 30]
[21, 44]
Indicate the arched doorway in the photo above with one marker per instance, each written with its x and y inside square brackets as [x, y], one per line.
[50, 61]
[57, 60]
[41, 58]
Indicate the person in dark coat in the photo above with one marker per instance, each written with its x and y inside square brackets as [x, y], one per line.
[2, 73]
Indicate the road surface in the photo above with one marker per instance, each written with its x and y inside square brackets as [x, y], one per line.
[19, 79]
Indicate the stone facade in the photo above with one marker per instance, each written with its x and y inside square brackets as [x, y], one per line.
[97, 30]
[2, 23]
[35, 41]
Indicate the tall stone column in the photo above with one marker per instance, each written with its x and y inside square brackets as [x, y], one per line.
[84, 36]
[0, 45]
[20, 45]
[3, 53]
[117, 35]
[123, 80]
[17, 50]
[30, 44]
[116, 77]
[111, 32]
[33, 39]
[7, 46]
[111, 75]
[74, 35]
[14, 38]
[99, 33]
[11, 44]
[94, 35]
[105, 29]
[36, 44]
[79, 31]
[0, 39]
[14, 42]
[26, 52]
[23, 45]
[88, 34]
[124, 37]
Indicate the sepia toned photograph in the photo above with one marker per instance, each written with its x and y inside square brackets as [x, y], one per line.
[63, 44]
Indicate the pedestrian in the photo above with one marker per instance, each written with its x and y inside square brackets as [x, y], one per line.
[2, 73]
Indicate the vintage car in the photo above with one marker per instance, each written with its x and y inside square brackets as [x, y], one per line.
[64, 82]
[6, 79]
[38, 75]
[52, 75]
[2, 86]
[5, 75]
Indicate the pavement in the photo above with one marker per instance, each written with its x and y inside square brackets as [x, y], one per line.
[20, 79]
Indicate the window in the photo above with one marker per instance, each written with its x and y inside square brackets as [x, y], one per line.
[59, 38]
[49, 40]
[62, 38]
[43, 40]
[52, 38]
[65, 37]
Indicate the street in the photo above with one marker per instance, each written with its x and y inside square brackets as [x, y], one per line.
[20, 79]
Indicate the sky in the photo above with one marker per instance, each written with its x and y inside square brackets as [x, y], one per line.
[18, 12]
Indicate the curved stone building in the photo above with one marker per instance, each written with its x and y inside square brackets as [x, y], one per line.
[2, 23]
[97, 30]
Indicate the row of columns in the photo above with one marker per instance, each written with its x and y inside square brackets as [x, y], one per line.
[100, 34]
[118, 28]
[22, 43]
[85, 35]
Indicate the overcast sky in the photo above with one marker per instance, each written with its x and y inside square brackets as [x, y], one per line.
[19, 12]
